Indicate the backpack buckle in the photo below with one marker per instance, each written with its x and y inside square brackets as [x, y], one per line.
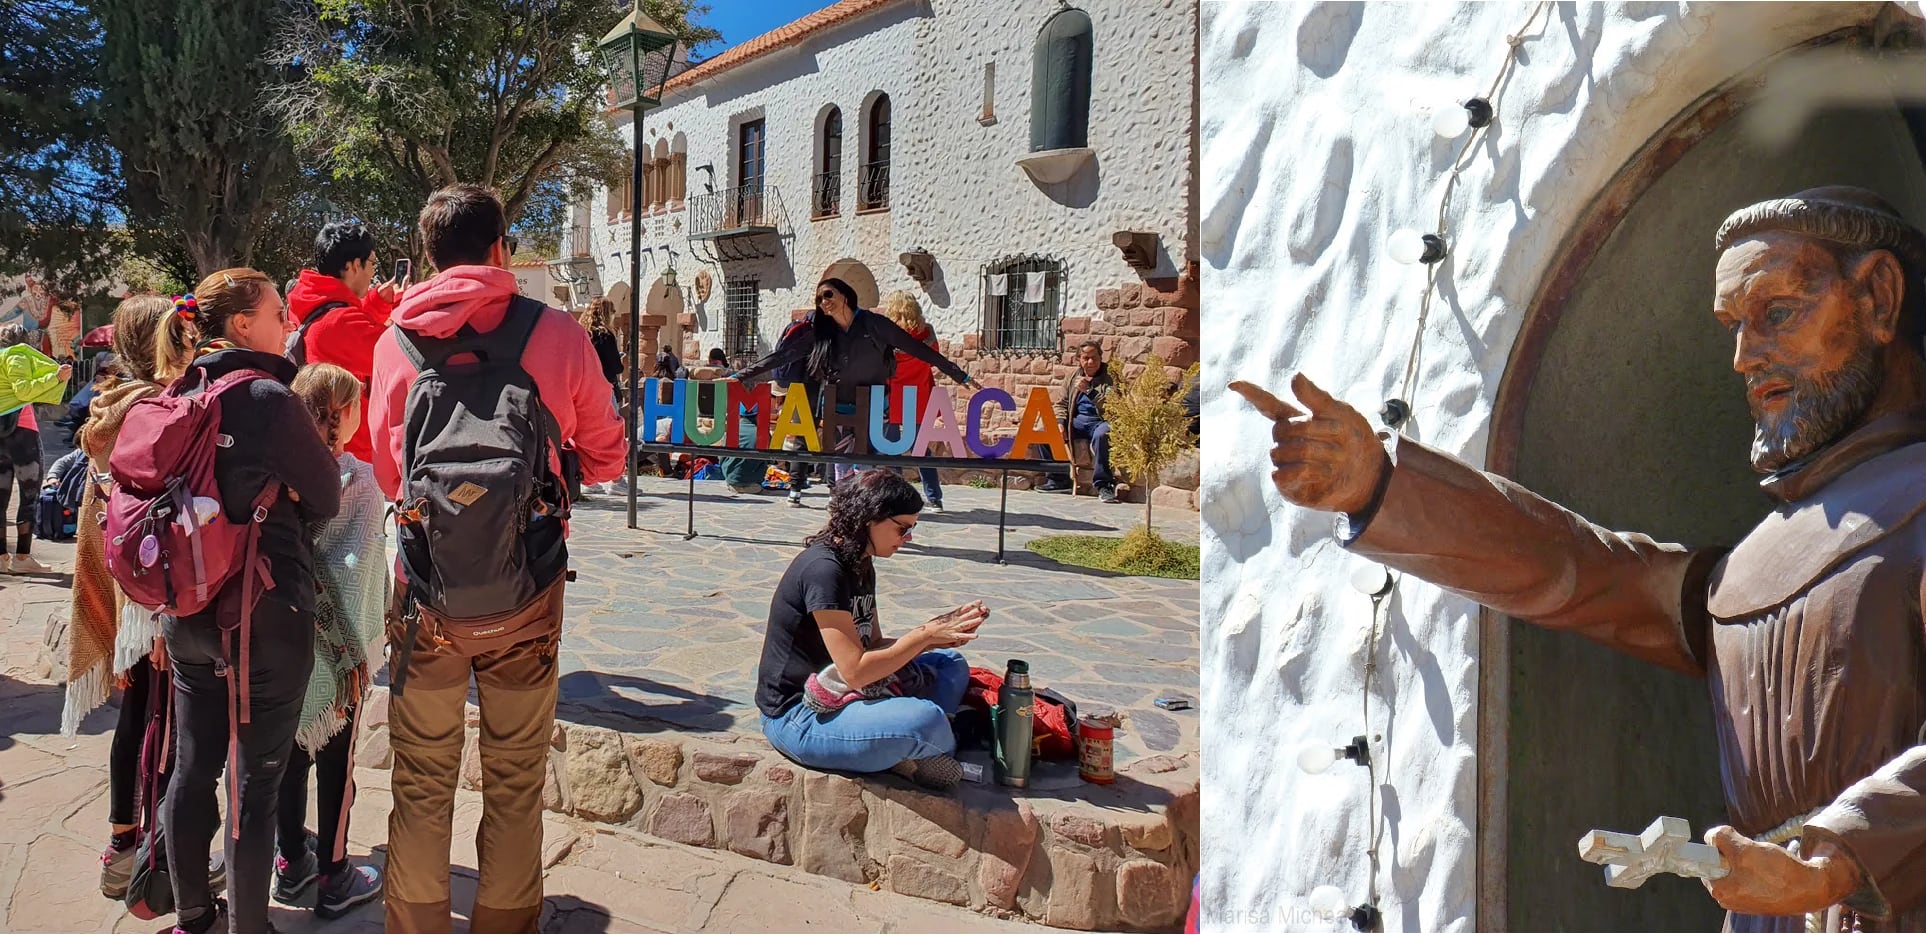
[260, 514]
[223, 441]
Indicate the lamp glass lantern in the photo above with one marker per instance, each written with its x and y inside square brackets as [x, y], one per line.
[637, 53]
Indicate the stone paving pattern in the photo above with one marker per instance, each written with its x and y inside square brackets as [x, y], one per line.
[663, 630]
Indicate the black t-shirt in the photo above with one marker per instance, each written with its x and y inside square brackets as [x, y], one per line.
[792, 647]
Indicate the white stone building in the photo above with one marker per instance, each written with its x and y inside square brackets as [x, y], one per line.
[1568, 344]
[880, 141]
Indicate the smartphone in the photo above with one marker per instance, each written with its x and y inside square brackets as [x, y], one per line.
[403, 269]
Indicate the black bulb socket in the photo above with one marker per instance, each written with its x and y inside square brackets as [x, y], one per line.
[1394, 413]
[1366, 918]
[1478, 113]
[1434, 249]
[1358, 750]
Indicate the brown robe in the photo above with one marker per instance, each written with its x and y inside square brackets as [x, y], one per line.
[1809, 633]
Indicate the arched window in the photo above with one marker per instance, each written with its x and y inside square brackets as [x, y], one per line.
[1060, 83]
[875, 187]
[828, 198]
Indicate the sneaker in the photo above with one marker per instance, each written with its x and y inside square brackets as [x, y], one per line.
[293, 877]
[1106, 494]
[217, 873]
[116, 871]
[1054, 486]
[795, 498]
[936, 505]
[343, 891]
[27, 565]
[940, 772]
[215, 921]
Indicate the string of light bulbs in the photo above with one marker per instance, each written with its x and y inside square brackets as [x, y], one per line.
[1406, 246]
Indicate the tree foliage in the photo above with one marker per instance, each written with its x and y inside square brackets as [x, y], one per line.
[394, 99]
[1149, 424]
[182, 85]
[55, 169]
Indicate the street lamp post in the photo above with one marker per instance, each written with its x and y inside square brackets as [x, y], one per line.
[638, 53]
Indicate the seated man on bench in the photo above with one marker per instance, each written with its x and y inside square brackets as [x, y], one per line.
[1081, 406]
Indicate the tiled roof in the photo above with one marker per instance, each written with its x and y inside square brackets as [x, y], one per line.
[777, 39]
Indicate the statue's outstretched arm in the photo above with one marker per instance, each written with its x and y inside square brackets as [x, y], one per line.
[1428, 514]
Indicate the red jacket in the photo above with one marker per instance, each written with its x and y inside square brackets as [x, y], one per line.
[913, 372]
[559, 356]
[344, 337]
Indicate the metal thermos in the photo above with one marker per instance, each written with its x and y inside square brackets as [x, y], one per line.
[1014, 721]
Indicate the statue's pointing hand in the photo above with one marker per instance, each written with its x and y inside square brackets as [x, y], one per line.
[1325, 454]
[1768, 880]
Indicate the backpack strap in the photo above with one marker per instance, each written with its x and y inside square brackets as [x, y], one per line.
[505, 341]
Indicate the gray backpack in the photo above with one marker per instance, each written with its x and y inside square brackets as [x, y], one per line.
[479, 519]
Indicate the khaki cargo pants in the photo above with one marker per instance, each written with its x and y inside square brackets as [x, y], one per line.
[516, 688]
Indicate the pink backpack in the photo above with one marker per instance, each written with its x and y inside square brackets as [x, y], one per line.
[169, 543]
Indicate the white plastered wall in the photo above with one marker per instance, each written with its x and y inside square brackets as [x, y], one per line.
[1316, 145]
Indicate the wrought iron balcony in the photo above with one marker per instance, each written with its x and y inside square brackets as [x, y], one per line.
[874, 187]
[735, 212]
[827, 199]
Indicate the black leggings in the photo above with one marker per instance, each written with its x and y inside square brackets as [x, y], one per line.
[20, 466]
[123, 764]
[282, 656]
[333, 770]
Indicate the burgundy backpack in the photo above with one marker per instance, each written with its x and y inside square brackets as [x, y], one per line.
[169, 543]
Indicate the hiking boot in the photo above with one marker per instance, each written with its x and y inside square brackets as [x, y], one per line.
[116, 870]
[351, 887]
[26, 565]
[215, 921]
[1106, 494]
[293, 877]
[931, 772]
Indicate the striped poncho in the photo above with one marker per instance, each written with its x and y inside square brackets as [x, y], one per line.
[351, 598]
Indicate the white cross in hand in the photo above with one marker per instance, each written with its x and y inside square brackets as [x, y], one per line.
[1665, 847]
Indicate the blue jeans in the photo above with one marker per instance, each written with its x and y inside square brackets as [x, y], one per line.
[1098, 431]
[872, 736]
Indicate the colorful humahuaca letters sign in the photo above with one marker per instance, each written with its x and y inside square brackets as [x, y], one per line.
[781, 416]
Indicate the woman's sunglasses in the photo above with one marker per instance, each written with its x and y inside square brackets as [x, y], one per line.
[903, 529]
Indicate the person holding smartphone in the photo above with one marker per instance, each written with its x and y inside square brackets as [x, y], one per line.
[833, 691]
[339, 313]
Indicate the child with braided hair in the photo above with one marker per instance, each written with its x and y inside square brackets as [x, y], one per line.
[351, 594]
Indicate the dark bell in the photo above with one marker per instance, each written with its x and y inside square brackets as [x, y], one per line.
[1478, 111]
[1394, 413]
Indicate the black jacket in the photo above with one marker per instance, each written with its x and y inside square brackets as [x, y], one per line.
[605, 351]
[274, 438]
[865, 355]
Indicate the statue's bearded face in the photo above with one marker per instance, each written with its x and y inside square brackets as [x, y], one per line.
[1803, 342]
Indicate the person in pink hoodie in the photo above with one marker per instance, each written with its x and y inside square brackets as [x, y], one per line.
[466, 235]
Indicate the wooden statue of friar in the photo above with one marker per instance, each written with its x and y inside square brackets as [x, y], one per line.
[1809, 632]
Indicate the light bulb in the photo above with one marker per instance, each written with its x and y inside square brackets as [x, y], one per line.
[1371, 579]
[1316, 756]
[1406, 246]
[1328, 900]
[1450, 121]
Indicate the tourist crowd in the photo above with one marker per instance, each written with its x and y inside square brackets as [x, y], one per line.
[244, 459]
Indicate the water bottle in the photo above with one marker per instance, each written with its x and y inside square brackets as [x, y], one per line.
[1014, 721]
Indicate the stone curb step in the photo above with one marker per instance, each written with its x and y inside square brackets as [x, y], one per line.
[1064, 853]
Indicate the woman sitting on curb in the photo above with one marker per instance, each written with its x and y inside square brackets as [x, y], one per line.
[834, 693]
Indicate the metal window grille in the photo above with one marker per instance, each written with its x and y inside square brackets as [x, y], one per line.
[742, 306]
[828, 198]
[876, 185]
[1012, 324]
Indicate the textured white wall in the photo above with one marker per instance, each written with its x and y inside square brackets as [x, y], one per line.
[1317, 143]
[955, 188]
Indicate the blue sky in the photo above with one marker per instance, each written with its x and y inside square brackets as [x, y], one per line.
[742, 20]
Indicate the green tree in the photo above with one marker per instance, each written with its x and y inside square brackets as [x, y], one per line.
[55, 167]
[1149, 426]
[182, 85]
[397, 98]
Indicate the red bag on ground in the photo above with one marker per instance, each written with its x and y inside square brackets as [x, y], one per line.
[1055, 735]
